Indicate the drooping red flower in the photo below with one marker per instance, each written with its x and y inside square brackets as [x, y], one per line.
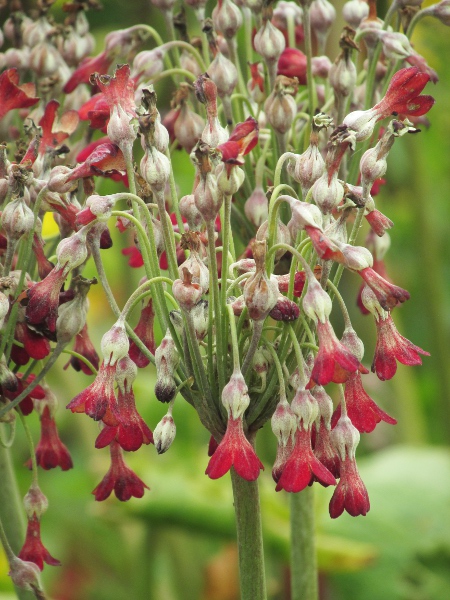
[88, 66]
[403, 95]
[334, 362]
[292, 63]
[98, 400]
[33, 549]
[242, 140]
[95, 110]
[351, 493]
[50, 451]
[118, 90]
[380, 267]
[100, 158]
[43, 299]
[84, 346]
[390, 347]
[135, 259]
[14, 95]
[234, 450]
[144, 331]
[43, 264]
[35, 345]
[120, 478]
[388, 294]
[363, 412]
[324, 450]
[378, 222]
[302, 466]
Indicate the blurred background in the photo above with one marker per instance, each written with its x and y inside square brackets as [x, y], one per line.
[177, 543]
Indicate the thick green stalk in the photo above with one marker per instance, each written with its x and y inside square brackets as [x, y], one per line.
[304, 585]
[249, 538]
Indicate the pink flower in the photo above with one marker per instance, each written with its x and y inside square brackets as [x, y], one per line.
[26, 406]
[334, 362]
[378, 222]
[101, 158]
[68, 123]
[302, 466]
[388, 295]
[324, 450]
[50, 451]
[120, 478]
[33, 549]
[234, 451]
[392, 346]
[242, 140]
[35, 345]
[14, 95]
[363, 412]
[135, 257]
[43, 299]
[350, 493]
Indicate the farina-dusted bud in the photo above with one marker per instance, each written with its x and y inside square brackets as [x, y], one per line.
[227, 18]
[194, 264]
[190, 212]
[115, 343]
[283, 422]
[72, 252]
[224, 74]
[280, 107]
[257, 207]
[155, 169]
[354, 11]
[17, 219]
[321, 66]
[351, 341]
[167, 353]
[260, 292]
[164, 433]
[25, 574]
[316, 302]
[345, 438]
[126, 373]
[322, 15]
[35, 502]
[235, 396]
[185, 292]
[269, 42]
[305, 408]
[57, 181]
[200, 320]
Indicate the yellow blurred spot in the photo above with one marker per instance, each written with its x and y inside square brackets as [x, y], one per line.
[49, 226]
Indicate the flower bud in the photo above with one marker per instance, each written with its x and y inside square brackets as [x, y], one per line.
[260, 292]
[308, 167]
[256, 207]
[190, 212]
[224, 74]
[292, 63]
[321, 66]
[188, 128]
[194, 264]
[362, 122]
[164, 433]
[284, 423]
[351, 341]
[200, 319]
[25, 574]
[185, 292]
[227, 18]
[370, 302]
[4, 308]
[121, 130]
[71, 319]
[325, 405]
[148, 63]
[126, 373]
[235, 396]
[229, 178]
[280, 107]
[35, 502]
[345, 438]
[316, 302]
[115, 343]
[57, 181]
[17, 219]
[208, 199]
[283, 236]
[285, 310]
[343, 75]
[355, 11]
[165, 387]
[441, 11]
[45, 60]
[155, 169]
[269, 42]
[305, 408]
[322, 15]
[71, 252]
[167, 354]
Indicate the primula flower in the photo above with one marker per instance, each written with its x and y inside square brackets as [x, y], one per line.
[67, 124]
[43, 299]
[392, 346]
[85, 347]
[14, 95]
[144, 331]
[388, 294]
[50, 451]
[334, 362]
[235, 451]
[33, 549]
[26, 406]
[98, 400]
[43, 264]
[135, 259]
[302, 466]
[100, 158]
[243, 139]
[350, 493]
[363, 412]
[88, 66]
[95, 110]
[324, 450]
[120, 478]
[35, 345]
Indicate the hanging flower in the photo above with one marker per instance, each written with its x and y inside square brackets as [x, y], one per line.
[50, 451]
[33, 549]
[14, 95]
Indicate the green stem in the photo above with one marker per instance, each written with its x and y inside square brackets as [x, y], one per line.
[304, 585]
[214, 288]
[249, 538]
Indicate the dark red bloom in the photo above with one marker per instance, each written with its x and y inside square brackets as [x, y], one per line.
[362, 411]
[380, 267]
[242, 140]
[120, 478]
[43, 299]
[98, 400]
[118, 90]
[135, 257]
[302, 466]
[350, 493]
[35, 345]
[88, 66]
[283, 453]
[33, 549]
[292, 63]
[323, 245]
[144, 331]
[324, 450]
[403, 94]
[285, 310]
[95, 110]
[334, 362]
[14, 95]
[50, 451]
[234, 451]
[101, 158]
[391, 346]
[388, 295]
[85, 347]
[26, 406]
[378, 222]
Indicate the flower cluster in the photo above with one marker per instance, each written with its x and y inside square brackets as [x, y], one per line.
[250, 259]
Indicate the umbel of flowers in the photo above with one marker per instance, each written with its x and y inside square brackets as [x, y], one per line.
[241, 273]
